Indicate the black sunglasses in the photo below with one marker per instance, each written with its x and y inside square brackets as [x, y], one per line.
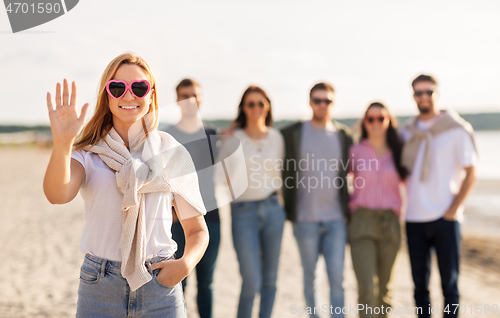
[252, 105]
[420, 93]
[371, 119]
[318, 101]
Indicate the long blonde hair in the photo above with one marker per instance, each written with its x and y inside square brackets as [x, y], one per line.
[102, 120]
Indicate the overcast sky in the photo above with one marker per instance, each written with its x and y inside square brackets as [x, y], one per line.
[369, 50]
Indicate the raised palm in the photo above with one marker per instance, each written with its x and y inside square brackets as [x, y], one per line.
[64, 120]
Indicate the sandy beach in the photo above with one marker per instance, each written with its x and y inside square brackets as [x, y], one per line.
[40, 260]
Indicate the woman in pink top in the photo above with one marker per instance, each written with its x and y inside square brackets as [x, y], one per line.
[374, 230]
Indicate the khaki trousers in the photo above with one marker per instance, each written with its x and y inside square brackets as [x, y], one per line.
[374, 237]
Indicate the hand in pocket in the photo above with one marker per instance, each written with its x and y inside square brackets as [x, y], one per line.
[171, 272]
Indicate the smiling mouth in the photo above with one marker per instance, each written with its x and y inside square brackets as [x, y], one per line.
[129, 107]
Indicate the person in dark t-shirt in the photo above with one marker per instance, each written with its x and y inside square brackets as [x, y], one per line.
[195, 137]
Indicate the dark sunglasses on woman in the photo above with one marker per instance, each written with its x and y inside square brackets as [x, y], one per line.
[252, 105]
[118, 88]
[371, 119]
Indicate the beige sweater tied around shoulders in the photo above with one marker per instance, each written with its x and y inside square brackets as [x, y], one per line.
[164, 166]
[448, 120]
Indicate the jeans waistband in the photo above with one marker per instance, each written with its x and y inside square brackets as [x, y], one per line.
[269, 196]
[272, 195]
[105, 265]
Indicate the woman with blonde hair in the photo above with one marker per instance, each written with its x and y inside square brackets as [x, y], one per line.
[129, 175]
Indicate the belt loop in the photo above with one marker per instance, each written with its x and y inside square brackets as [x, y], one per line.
[103, 267]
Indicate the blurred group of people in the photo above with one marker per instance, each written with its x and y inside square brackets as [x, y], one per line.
[336, 186]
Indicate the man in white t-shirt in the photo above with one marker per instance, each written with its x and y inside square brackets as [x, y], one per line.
[442, 175]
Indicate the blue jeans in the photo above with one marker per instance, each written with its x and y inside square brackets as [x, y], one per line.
[103, 292]
[204, 269]
[327, 238]
[257, 228]
[444, 237]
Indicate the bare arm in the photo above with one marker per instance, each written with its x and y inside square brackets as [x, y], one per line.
[196, 233]
[63, 176]
[465, 188]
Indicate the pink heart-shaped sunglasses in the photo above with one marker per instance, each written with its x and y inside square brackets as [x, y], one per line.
[138, 88]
